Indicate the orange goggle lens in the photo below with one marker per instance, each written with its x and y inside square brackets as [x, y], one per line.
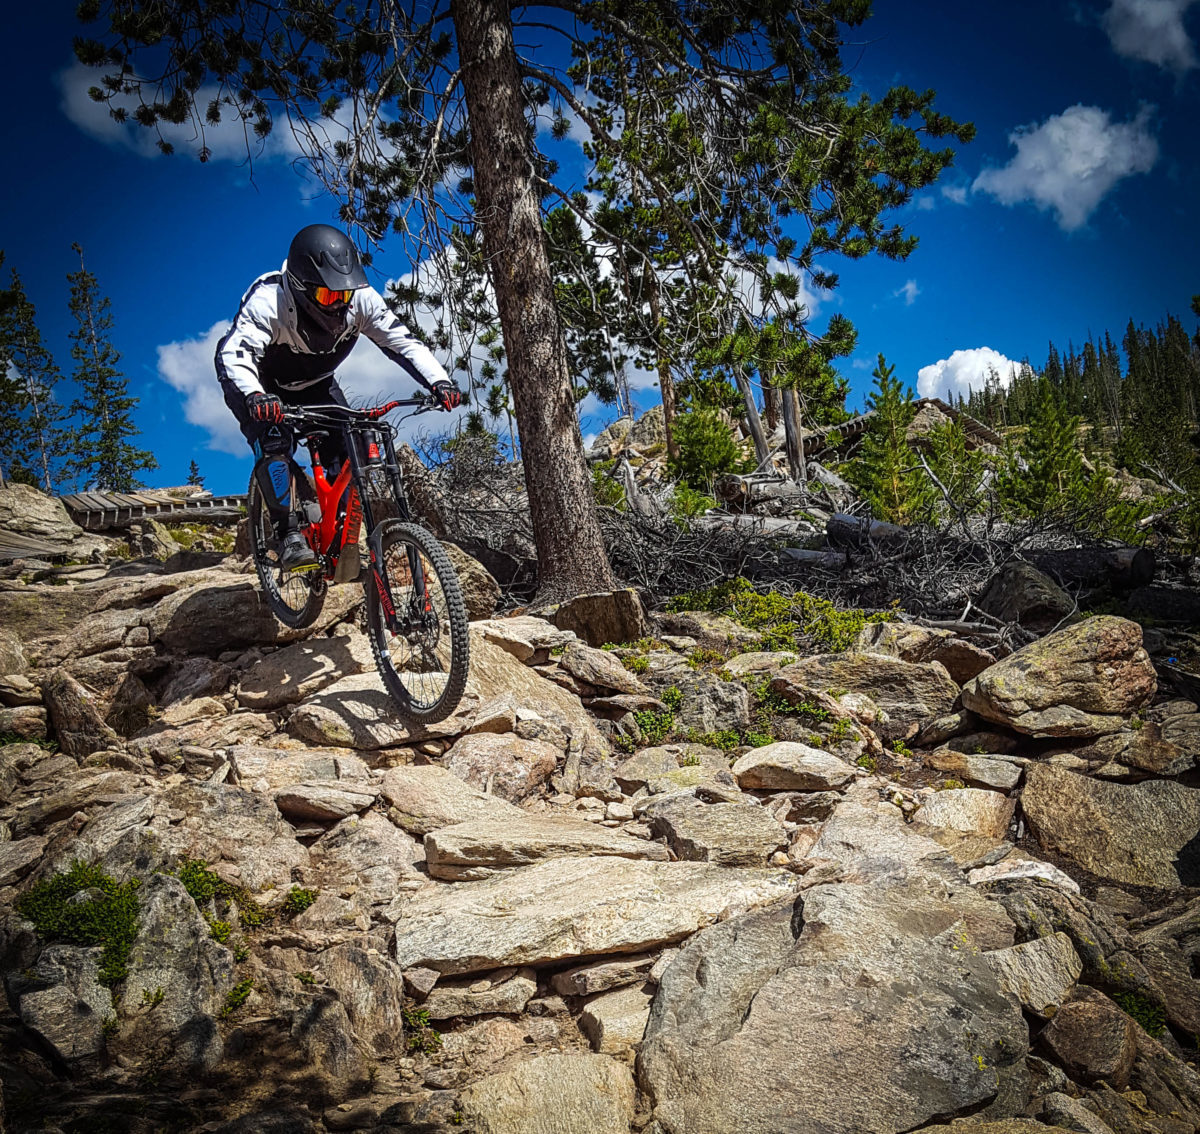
[327, 298]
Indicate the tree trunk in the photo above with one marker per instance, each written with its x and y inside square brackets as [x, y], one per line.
[571, 555]
[666, 383]
[793, 442]
[771, 406]
[753, 421]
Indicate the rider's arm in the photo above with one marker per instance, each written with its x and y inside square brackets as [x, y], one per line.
[392, 337]
[241, 350]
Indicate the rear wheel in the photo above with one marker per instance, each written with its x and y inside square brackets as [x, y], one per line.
[423, 662]
[295, 597]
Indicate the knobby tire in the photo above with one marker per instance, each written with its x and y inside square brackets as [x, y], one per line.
[294, 597]
[413, 702]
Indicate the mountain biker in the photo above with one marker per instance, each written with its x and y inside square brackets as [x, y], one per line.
[293, 329]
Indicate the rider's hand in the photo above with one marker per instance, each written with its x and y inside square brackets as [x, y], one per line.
[449, 396]
[265, 407]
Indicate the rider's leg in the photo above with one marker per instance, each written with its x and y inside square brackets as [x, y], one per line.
[276, 476]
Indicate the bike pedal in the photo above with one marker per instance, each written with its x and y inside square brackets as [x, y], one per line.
[304, 568]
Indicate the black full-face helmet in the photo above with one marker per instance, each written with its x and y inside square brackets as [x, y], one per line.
[323, 269]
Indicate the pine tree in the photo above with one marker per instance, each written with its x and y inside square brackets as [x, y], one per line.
[958, 468]
[105, 457]
[886, 470]
[32, 420]
[194, 477]
[1046, 469]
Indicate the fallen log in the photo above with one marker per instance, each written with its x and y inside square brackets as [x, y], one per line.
[1125, 568]
[757, 525]
[744, 492]
[819, 560]
[859, 531]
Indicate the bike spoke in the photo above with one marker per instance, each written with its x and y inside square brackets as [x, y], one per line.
[420, 649]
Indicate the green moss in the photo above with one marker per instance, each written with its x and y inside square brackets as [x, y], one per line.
[699, 658]
[205, 886]
[218, 930]
[866, 760]
[421, 1037]
[673, 698]
[782, 619]
[151, 1000]
[41, 742]
[237, 996]
[110, 918]
[306, 978]
[636, 663]
[656, 727]
[757, 739]
[1136, 723]
[950, 785]
[1145, 1011]
[690, 761]
[901, 749]
[298, 900]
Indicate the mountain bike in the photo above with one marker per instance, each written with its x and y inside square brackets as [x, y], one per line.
[416, 618]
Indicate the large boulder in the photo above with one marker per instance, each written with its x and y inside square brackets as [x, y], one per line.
[791, 766]
[910, 693]
[427, 798]
[606, 616]
[480, 591]
[1145, 834]
[1019, 592]
[731, 834]
[599, 668]
[1084, 680]
[77, 722]
[24, 510]
[296, 671]
[503, 764]
[924, 644]
[175, 965]
[852, 1008]
[553, 1094]
[478, 849]
[565, 908]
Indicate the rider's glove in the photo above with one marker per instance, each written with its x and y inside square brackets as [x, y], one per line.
[265, 407]
[449, 396]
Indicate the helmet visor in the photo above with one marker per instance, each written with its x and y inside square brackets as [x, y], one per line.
[328, 298]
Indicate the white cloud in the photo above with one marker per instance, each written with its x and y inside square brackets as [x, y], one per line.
[910, 291]
[926, 204]
[862, 364]
[955, 193]
[187, 366]
[1152, 31]
[1071, 161]
[964, 371]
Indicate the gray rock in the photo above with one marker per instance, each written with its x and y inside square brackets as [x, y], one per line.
[12, 654]
[757, 662]
[573, 907]
[978, 771]
[323, 1032]
[922, 644]
[506, 995]
[791, 766]
[599, 668]
[1144, 834]
[603, 976]
[1012, 869]
[910, 693]
[525, 636]
[646, 765]
[1068, 1113]
[287, 676]
[615, 1021]
[371, 853]
[1084, 680]
[605, 616]
[795, 1017]
[1170, 951]
[263, 768]
[19, 857]
[323, 802]
[709, 704]
[1039, 973]
[426, 798]
[77, 722]
[729, 834]
[971, 810]
[60, 1000]
[553, 1094]
[194, 677]
[1093, 1039]
[370, 987]
[174, 954]
[503, 764]
[1019, 592]
[480, 591]
[28, 722]
[475, 850]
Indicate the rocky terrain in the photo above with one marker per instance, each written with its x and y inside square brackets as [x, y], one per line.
[692, 884]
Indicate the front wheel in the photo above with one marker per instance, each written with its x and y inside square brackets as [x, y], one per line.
[295, 597]
[423, 655]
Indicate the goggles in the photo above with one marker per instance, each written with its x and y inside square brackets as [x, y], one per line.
[327, 298]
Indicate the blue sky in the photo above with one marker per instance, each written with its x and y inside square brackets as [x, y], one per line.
[1072, 211]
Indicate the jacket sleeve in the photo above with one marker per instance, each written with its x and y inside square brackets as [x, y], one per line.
[241, 350]
[392, 337]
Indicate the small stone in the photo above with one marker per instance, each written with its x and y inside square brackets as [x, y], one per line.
[1039, 973]
[790, 766]
[619, 811]
[587, 980]
[1093, 1039]
[971, 810]
[615, 1021]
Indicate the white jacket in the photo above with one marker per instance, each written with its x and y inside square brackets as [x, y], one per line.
[266, 350]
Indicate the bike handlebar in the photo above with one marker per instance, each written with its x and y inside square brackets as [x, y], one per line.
[300, 415]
